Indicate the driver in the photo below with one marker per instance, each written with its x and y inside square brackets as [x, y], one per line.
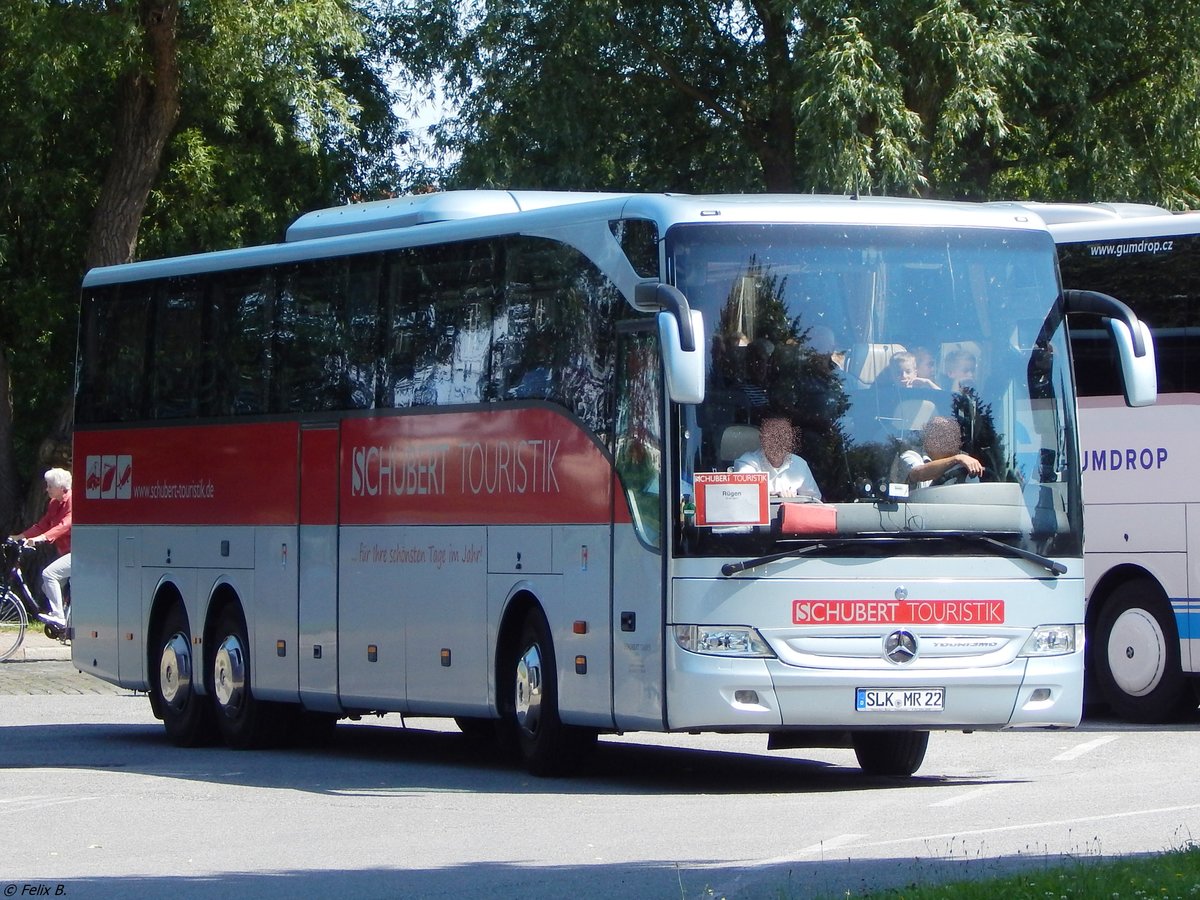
[941, 441]
[788, 475]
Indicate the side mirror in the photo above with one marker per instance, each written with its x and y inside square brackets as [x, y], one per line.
[1135, 346]
[681, 336]
[684, 368]
[1139, 374]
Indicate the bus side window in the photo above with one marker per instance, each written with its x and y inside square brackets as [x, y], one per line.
[555, 342]
[177, 354]
[114, 342]
[363, 344]
[311, 361]
[247, 301]
[440, 303]
[1162, 288]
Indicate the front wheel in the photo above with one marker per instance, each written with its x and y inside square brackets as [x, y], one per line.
[1136, 655]
[245, 721]
[12, 624]
[546, 745]
[893, 753]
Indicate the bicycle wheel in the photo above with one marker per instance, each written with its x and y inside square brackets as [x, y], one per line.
[12, 624]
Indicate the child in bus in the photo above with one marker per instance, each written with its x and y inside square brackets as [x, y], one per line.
[903, 372]
[960, 370]
[926, 367]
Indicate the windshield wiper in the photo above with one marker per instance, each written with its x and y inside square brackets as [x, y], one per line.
[733, 568]
[1050, 565]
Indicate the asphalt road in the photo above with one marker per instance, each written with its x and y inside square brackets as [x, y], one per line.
[94, 802]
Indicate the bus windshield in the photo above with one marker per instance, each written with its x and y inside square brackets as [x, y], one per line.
[875, 380]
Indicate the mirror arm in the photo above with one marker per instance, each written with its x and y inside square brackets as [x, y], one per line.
[1103, 305]
[671, 299]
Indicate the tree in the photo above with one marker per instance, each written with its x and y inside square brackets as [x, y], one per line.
[212, 121]
[1110, 107]
[796, 96]
[949, 98]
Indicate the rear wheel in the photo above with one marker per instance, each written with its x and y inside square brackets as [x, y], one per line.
[12, 624]
[1136, 655]
[186, 715]
[245, 721]
[546, 745]
[895, 753]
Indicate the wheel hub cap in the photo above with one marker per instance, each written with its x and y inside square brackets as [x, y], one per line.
[1137, 652]
[175, 671]
[529, 690]
[229, 675]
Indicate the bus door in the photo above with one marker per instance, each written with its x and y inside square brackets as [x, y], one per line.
[639, 519]
[318, 566]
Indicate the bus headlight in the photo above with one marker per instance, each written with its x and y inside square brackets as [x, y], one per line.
[1053, 640]
[721, 640]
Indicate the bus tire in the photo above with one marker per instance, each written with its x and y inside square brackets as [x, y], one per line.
[245, 722]
[897, 754]
[186, 715]
[546, 746]
[1136, 655]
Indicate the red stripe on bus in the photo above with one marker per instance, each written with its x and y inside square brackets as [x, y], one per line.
[517, 466]
[243, 474]
[503, 467]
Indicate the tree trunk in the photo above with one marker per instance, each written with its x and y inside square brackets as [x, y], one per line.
[10, 499]
[775, 145]
[147, 112]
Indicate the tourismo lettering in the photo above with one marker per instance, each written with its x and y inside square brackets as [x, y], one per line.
[898, 612]
[398, 472]
[1128, 459]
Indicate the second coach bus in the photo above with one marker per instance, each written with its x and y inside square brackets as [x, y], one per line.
[1143, 613]
[557, 465]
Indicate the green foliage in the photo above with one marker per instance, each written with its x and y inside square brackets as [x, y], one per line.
[51, 148]
[782, 96]
[1112, 102]
[949, 98]
[284, 107]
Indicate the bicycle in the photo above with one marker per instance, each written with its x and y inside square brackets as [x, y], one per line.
[18, 605]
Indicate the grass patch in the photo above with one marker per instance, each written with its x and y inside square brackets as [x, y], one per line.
[1173, 875]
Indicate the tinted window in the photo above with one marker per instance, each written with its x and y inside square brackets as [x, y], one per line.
[114, 339]
[1160, 279]
[464, 323]
[176, 373]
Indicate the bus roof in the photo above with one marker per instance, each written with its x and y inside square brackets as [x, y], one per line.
[421, 219]
[1062, 213]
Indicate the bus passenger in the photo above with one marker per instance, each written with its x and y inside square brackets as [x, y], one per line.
[902, 372]
[788, 475]
[926, 367]
[960, 369]
[941, 443]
